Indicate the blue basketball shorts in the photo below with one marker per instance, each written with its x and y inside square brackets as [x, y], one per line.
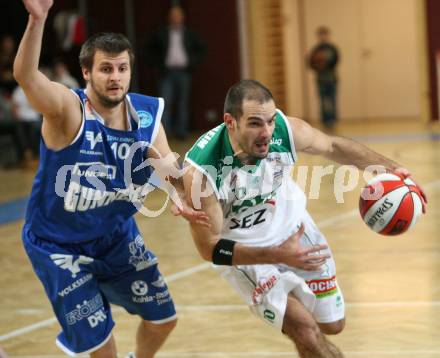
[82, 279]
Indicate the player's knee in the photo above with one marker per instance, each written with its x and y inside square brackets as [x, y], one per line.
[307, 336]
[304, 333]
[169, 326]
[159, 329]
[332, 327]
[108, 350]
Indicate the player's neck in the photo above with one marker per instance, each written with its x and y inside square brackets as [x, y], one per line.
[113, 117]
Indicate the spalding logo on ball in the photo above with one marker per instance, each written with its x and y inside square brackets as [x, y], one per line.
[390, 205]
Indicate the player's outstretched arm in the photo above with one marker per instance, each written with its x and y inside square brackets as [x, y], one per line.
[212, 247]
[53, 100]
[343, 150]
[339, 149]
[165, 164]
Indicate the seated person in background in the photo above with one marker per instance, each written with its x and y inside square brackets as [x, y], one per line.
[62, 75]
[30, 122]
[7, 55]
[10, 127]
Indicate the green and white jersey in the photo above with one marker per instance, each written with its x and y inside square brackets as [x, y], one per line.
[261, 203]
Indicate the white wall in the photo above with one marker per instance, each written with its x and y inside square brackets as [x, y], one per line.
[379, 72]
[295, 66]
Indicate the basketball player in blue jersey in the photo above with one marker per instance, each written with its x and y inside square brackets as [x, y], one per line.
[79, 231]
[262, 239]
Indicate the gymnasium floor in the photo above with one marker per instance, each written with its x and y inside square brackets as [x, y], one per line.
[391, 285]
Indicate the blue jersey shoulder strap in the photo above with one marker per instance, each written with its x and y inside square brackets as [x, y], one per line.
[80, 93]
[147, 112]
[148, 109]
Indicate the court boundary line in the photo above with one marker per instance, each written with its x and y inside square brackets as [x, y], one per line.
[399, 353]
[379, 304]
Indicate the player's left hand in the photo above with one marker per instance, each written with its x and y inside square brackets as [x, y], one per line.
[405, 173]
[191, 215]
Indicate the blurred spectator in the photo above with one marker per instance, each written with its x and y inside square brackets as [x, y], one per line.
[11, 128]
[70, 29]
[175, 50]
[323, 60]
[7, 55]
[30, 121]
[62, 75]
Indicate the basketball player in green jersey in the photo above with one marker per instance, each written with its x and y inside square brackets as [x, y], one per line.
[261, 239]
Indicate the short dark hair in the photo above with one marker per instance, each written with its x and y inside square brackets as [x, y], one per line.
[108, 42]
[250, 90]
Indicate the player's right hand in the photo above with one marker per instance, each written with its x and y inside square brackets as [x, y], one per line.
[38, 9]
[405, 173]
[291, 253]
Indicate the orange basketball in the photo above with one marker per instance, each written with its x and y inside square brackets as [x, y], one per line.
[390, 205]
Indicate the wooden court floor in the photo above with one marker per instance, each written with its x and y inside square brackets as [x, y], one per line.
[391, 285]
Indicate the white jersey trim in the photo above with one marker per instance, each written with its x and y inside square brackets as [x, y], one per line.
[131, 113]
[158, 118]
[203, 171]
[129, 116]
[83, 120]
[165, 320]
[73, 354]
[289, 130]
[93, 115]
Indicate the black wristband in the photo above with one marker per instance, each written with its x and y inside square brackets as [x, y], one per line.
[223, 252]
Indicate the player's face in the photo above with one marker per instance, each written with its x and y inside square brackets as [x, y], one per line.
[110, 77]
[255, 128]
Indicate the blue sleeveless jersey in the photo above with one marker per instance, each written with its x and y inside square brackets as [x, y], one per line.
[89, 188]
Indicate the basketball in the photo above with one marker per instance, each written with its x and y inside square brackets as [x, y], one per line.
[389, 204]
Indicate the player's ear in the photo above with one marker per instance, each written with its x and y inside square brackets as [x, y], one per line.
[229, 120]
[85, 73]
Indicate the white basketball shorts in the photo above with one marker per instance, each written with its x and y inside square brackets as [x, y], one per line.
[264, 288]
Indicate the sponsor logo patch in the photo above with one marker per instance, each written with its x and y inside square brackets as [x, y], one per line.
[78, 283]
[264, 286]
[269, 315]
[324, 287]
[66, 262]
[276, 141]
[90, 136]
[338, 301]
[159, 283]
[202, 142]
[145, 119]
[140, 256]
[139, 288]
[95, 170]
[87, 309]
[96, 318]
